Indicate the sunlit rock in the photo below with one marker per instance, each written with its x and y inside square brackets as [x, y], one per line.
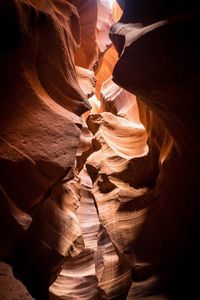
[86, 55]
[118, 101]
[99, 149]
[78, 276]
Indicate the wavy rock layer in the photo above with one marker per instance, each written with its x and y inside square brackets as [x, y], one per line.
[167, 50]
[99, 151]
[39, 137]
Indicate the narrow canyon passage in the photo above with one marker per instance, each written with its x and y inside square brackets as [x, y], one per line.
[99, 150]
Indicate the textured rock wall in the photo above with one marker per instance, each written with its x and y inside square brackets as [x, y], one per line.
[162, 60]
[10, 287]
[40, 132]
[99, 150]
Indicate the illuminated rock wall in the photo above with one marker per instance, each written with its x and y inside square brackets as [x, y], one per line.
[99, 149]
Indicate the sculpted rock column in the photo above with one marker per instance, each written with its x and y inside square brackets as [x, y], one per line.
[39, 135]
[159, 62]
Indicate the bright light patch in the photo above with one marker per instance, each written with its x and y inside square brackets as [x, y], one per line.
[108, 3]
[111, 2]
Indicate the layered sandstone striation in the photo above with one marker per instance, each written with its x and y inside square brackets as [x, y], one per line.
[99, 149]
[161, 57]
[39, 135]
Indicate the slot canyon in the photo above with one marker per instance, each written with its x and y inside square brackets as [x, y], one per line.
[99, 150]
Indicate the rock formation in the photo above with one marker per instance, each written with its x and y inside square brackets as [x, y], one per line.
[99, 149]
[161, 56]
[10, 287]
[40, 130]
